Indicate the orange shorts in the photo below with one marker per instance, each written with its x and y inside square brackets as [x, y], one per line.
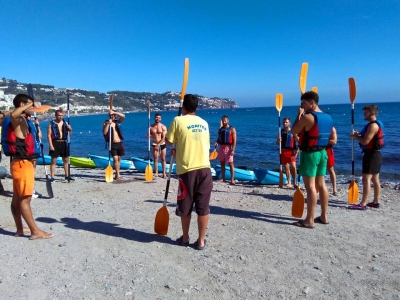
[23, 174]
[288, 156]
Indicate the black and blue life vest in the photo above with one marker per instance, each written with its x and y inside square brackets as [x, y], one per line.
[225, 136]
[378, 141]
[288, 141]
[118, 129]
[55, 132]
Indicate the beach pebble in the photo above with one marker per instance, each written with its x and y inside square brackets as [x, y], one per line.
[185, 291]
[306, 289]
[375, 268]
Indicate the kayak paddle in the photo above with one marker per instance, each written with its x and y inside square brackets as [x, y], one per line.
[353, 187]
[148, 173]
[49, 188]
[109, 169]
[68, 141]
[40, 109]
[314, 89]
[214, 154]
[298, 197]
[278, 105]
[161, 221]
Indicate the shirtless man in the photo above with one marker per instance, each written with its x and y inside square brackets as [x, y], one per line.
[117, 146]
[22, 169]
[158, 146]
[57, 136]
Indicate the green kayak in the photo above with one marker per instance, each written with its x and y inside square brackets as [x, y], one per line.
[81, 162]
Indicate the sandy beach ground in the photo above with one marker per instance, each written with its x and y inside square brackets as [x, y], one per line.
[105, 247]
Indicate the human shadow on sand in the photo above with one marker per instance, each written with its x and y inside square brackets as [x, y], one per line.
[110, 229]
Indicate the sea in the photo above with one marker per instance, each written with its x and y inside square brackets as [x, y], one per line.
[257, 129]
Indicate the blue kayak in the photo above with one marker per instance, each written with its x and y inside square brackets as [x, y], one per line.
[269, 177]
[141, 164]
[239, 174]
[102, 162]
[47, 160]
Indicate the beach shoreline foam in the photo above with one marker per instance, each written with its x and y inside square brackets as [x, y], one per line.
[105, 247]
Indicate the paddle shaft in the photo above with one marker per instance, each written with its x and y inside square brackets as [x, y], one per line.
[68, 141]
[352, 140]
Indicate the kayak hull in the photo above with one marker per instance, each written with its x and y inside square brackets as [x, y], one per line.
[102, 162]
[82, 162]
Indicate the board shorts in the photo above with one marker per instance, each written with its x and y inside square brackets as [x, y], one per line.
[288, 156]
[60, 149]
[117, 149]
[23, 175]
[331, 157]
[194, 189]
[371, 163]
[224, 154]
[313, 164]
[162, 146]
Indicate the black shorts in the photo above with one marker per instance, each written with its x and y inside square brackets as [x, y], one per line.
[162, 146]
[372, 161]
[117, 149]
[60, 149]
[194, 188]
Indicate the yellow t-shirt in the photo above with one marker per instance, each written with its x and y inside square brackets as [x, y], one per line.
[192, 137]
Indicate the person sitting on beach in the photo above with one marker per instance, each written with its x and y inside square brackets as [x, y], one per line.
[192, 137]
[313, 127]
[371, 140]
[117, 145]
[331, 160]
[19, 140]
[157, 133]
[227, 144]
[57, 136]
[289, 151]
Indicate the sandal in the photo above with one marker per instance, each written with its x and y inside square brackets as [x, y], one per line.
[357, 207]
[302, 224]
[374, 205]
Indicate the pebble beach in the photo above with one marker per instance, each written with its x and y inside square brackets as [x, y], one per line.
[105, 246]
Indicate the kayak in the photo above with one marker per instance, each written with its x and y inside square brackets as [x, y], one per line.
[82, 162]
[239, 174]
[141, 164]
[47, 160]
[270, 177]
[102, 162]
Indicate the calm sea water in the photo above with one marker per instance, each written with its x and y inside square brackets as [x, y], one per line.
[257, 129]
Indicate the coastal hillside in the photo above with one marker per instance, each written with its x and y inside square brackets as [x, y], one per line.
[91, 101]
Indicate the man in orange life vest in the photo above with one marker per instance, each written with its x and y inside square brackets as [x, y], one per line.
[314, 128]
[371, 140]
[25, 148]
[227, 145]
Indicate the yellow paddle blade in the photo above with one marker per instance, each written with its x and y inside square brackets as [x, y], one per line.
[111, 100]
[303, 77]
[213, 155]
[148, 173]
[185, 78]
[314, 89]
[279, 102]
[281, 179]
[161, 221]
[298, 204]
[352, 197]
[109, 174]
[352, 89]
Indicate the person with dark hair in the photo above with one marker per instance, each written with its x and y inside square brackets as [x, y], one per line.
[289, 151]
[19, 140]
[314, 128]
[331, 160]
[57, 136]
[227, 145]
[157, 133]
[371, 140]
[117, 138]
[192, 137]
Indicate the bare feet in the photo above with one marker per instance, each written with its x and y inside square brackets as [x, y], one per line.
[221, 180]
[24, 231]
[289, 186]
[42, 235]
[335, 193]
[164, 175]
[295, 186]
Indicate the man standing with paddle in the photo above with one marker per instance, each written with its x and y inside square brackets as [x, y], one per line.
[157, 133]
[314, 129]
[192, 137]
[371, 140]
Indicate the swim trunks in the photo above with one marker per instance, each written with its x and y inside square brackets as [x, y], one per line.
[313, 164]
[224, 154]
[162, 146]
[372, 161]
[288, 156]
[23, 174]
[117, 149]
[60, 149]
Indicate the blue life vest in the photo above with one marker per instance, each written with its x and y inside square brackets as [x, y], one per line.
[317, 138]
[378, 141]
[288, 141]
[55, 132]
[118, 129]
[225, 136]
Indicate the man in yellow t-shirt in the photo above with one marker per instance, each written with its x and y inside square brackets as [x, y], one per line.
[192, 137]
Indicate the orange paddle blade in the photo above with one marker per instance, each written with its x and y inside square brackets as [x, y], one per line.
[298, 204]
[279, 102]
[185, 78]
[314, 89]
[39, 109]
[352, 197]
[111, 100]
[213, 155]
[148, 173]
[162, 221]
[303, 77]
[281, 179]
[109, 174]
[352, 89]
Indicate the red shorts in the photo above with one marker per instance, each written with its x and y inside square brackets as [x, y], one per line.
[331, 157]
[225, 154]
[194, 188]
[288, 156]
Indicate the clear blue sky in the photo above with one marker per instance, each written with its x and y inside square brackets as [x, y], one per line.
[244, 50]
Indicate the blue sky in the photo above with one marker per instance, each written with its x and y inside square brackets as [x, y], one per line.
[244, 50]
